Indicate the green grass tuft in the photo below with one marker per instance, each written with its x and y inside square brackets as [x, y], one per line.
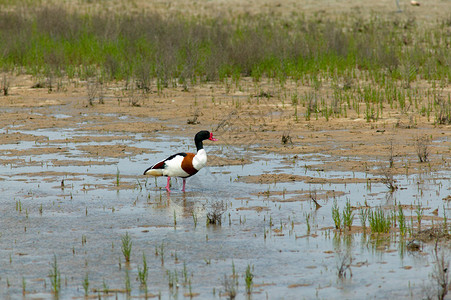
[379, 221]
[55, 277]
[126, 246]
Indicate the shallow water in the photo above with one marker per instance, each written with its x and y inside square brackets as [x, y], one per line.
[78, 214]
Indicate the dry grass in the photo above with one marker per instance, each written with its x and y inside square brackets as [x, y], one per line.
[344, 265]
[215, 212]
[389, 180]
[422, 148]
[440, 279]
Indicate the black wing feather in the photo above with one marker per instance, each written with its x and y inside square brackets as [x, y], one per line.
[161, 164]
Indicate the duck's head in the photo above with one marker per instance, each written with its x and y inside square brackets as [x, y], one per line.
[204, 135]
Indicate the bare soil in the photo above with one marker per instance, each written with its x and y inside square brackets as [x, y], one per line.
[236, 116]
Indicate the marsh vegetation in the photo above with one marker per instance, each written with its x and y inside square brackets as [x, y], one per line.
[332, 163]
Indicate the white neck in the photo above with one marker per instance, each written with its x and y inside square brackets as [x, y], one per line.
[200, 159]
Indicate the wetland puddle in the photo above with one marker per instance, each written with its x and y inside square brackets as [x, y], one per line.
[72, 195]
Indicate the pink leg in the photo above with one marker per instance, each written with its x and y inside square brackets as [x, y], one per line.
[184, 182]
[167, 185]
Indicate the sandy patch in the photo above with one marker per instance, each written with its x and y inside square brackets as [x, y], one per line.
[218, 161]
[275, 178]
[113, 150]
[254, 208]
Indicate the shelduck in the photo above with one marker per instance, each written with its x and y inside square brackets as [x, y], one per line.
[183, 165]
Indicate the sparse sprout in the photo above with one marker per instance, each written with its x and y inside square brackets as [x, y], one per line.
[175, 219]
[445, 221]
[348, 215]
[160, 251]
[401, 221]
[363, 217]
[336, 215]
[249, 279]
[391, 162]
[194, 218]
[55, 277]
[173, 279]
[118, 173]
[105, 287]
[229, 287]
[128, 286]
[126, 246]
[143, 273]
[24, 286]
[86, 284]
[5, 85]
[185, 273]
[419, 212]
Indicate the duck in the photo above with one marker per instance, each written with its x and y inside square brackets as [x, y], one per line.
[183, 165]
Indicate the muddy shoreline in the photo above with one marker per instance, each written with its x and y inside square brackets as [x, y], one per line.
[351, 143]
